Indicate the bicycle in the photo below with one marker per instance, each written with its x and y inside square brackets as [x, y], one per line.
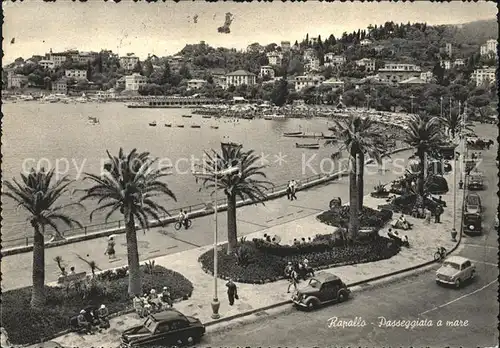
[187, 223]
[440, 254]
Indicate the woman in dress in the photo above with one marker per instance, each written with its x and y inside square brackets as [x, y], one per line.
[110, 249]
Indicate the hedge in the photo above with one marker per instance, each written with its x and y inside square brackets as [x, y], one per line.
[368, 218]
[25, 325]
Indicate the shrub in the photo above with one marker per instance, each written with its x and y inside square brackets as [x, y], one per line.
[28, 326]
[268, 267]
[368, 217]
[437, 184]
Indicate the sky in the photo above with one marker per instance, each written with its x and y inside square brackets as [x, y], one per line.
[165, 28]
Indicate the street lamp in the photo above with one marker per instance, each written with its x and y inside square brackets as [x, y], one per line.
[441, 98]
[224, 172]
[411, 109]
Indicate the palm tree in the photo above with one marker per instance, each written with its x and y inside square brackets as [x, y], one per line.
[38, 195]
[128, 183]
[359, 137]
[425, 135]
[453, 122]
[241, 185]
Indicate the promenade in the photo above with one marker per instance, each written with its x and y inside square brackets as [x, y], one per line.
[423, 238]
[16, 269]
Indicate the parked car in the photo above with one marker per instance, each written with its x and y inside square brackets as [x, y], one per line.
[472, 223]
[473, 203]
[167, 328]
[321, 289]
[455, 270]
[476, 181]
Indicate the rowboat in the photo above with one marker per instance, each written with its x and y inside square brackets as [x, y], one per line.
[307, 146]
[206, 116]
[291, 134]
[180, 125]
[187, 116]
[195, 126]
[168, 125]
[152, 124]
[214, 127]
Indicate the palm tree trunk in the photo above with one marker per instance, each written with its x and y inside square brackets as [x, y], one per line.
[134, 277]
[232, 233]
[353, 200]
[421, 174]
[38, 276]
[360, 176]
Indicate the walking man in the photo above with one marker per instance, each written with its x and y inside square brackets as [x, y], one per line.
[232, 292]
[293, 187]
[293, 280]
[438, 212]
[289, 190]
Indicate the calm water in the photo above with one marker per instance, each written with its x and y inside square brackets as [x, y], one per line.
[59, 133]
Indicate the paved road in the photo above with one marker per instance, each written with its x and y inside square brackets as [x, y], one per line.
[417, 297]
[16, 269]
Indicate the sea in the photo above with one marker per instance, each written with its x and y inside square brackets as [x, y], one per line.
[60, 136]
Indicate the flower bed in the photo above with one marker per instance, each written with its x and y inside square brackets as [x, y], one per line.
[27, 326]
[265, 267]
[339, 217]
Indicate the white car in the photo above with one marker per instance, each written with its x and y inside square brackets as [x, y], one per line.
[455, 270]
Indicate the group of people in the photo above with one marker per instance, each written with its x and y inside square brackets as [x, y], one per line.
[401, 223]
[275, 239]
[296, 272]
[90, 319]
[152, 302]
[301, 241]
[291, 189]
[402, 240]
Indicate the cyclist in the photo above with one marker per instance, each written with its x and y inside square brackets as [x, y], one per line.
[442, 252]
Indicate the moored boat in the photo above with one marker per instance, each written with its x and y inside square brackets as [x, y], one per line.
[307, 146]
[152, 124]
[195, 126]
[187, 116]
[287, 134]
[214, 127]
[206, 116]
[180, 125]
[168, 125]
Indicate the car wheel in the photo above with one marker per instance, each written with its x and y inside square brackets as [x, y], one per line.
[342, 296]
[458, 283]
[472, 274]
[189, 341]
[312, 304]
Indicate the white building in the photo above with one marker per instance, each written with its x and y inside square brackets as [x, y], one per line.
[47, 64]
[305, 81]
[134, 81]
[86, 57]
[459, 62]
[267, 70]
[489, 47]
[15, 80]
[129, 62]
[396, 72]
[365, 42]
[446, 64]
[309, 54]
[274, 58]
[427, 76]
[484, 75]
[449, 49]
[57, 58]
[76, 73]
[312, 64]
[333, 84]
[196, 84]
[334, 60]
[240, 77]
[368, 63]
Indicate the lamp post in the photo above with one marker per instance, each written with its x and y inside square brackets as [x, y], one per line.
[441, 98]
[225, 172]
[411, 108]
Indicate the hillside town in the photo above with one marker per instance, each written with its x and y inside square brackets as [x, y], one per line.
[368, 68]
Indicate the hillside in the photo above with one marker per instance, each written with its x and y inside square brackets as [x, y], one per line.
[473, 32]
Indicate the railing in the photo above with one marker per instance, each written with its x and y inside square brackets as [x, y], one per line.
[27, 240]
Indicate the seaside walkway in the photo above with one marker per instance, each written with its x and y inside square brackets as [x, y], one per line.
[274, 217]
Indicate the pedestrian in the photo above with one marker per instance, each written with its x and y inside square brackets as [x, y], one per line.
[428, 216]
[289, 190]
[232, 292]
[72, 271]
[293, 188]
[438, 212]
[293, 280]
[166, 297]
[110, 249]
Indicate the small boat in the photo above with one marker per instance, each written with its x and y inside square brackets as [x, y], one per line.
[187, 116]
[287, 134]
[307, 146]
[214, 127]
[195, 126]
[168, 125]
[330, 137]
[206, 116]
[152, 124]
[180, 125]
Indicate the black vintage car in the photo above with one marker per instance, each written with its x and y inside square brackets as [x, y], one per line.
[472, 223]
[476, 181]
[321, 289]
[169, 328]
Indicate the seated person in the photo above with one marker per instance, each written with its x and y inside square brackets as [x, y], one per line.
[296, 242]
[276, 239]
[402, 223]
[83, 323]
[267, 238]
[405, 242]
[102, 314]
[166, 297]
[91, 314]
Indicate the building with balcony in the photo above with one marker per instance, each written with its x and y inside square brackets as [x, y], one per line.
[393, 73]
[427, 76]
[459, 62]
[129, 62]
[240, 77]
[333, 84]
[196, 83]
[368, 63]
[274, 58]
[16, 80]
[76, 73]
[47, 64]
[312, 65]
[446, 64]
[267, 70]
[333, 60]
[489, 47]
[60, 86]
[57, 58]
[134, 82]
[484, 75]
[306, 81]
